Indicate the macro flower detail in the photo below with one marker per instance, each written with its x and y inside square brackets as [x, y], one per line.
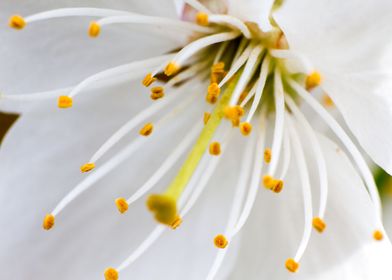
[222, 145]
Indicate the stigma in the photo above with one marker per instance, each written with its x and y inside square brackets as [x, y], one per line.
[164, 208]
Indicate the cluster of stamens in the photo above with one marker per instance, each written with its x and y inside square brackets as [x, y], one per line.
[244, 79]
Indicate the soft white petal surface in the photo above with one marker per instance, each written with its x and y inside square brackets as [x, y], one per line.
[257, 11]
[350, 44]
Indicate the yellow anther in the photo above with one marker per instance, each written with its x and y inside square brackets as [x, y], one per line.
[273, 184]
[206, 117]
[48, 222]
[328, 102]
[292, 265]
[215, 148]
[64, 102]
[147, 129]
[245, 128]
[148, 80]
[213, 93]
[218, 68]
[94, 29]
[171, 69]
[163, 207]
[157, 93]
[319, 224]
[87, 167]
[220, 241]
[177, 222]
[122, 205]
[378, 235]
[313, 80]
[267, 155]
[234, 113]
[202, 18]
[17, 22]
[111, 274]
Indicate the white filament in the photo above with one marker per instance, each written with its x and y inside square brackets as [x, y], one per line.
[137, 66]
[247, 74]
[239, 195]
[286, 156]
[202, 43]
[75, 12]
[279, 123]
[260, 88]
[231, 21]
[153, 20]
[347, 142]
[237, 65]
[306, 190]
[317, 152]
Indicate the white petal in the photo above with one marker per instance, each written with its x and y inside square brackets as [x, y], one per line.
[277, 223]
[252, 11]
[342, 40]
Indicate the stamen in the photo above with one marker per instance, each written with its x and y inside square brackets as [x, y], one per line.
[317, 152]
[313, 80]
[75, 12]
[111, 274]
[196, 46]
[215, 149]
[249, 70]
[220, 241]
[255, 179]
[286, 156]
[238, 63]
[292, 265]
[122, 205]
[189, 73]
[245, 128]
[64, 102]
[136, 68]
[319, 224]
[267, 155]
[17, 22]
[378, 235]
[148, 80]
[202, 19]
[306, 189]
[272, 184]
[238, 198]
[341, 134]
[94, 29]
[232, 22]
[147, 129]
[260, 88]
[135, 121]
[48, 222]
[279, 123]
[197, 6]
[154, 21]
[157, 93]
[87, 167]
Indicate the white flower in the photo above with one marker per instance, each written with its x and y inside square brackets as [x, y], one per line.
[264, 56]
